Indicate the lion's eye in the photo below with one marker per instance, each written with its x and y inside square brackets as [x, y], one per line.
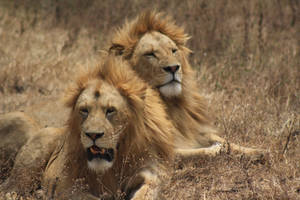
[174, 50]
[150, 54]
[110, 111]
[84, 112]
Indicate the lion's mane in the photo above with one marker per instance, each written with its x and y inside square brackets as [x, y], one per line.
[148, 138]
[189, 110]
[149, 125]
[145, 143]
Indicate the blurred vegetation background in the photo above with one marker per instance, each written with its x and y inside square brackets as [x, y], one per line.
[246, 54]
[240, 42]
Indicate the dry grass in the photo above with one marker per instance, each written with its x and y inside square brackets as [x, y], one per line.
[247, 56]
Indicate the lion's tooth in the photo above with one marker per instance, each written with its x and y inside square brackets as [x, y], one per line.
[93, 151]
[102, 151]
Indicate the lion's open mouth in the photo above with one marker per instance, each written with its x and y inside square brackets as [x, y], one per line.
[99, 152]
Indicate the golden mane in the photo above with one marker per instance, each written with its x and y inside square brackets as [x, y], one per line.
[193, 109]
[125, 38]
[149, 124]
[188, 110]
[141, 149]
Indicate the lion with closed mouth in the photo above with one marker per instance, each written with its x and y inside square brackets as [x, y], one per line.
[118, 139]
[156, 49]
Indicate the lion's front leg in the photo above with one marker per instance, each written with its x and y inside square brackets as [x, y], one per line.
[144, 186]
[220, 145]
[207, 151]
[237, 149]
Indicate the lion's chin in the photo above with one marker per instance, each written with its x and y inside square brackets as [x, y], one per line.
[99, 165]
[100, 159]
[170, 90]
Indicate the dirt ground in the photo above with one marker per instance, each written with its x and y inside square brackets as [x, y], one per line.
[246, 54]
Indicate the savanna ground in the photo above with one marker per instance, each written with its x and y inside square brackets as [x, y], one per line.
[246, 54]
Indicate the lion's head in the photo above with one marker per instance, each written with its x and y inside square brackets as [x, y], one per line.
[102, 112]
[109, 106]
[155, 47]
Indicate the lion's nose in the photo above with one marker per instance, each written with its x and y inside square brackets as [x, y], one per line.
[94, 135]
[172, 69]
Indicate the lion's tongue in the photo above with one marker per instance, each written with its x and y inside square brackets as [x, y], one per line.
[96, 150]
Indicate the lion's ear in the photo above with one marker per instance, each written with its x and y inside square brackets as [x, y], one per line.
[70, 99]
[72, 94]
[116, 49]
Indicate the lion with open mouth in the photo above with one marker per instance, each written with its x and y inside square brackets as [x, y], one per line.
[117, 142]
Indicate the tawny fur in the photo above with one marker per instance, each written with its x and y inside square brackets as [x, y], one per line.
[16, 128]
[145, 144]
[125, 38]
[187, 111]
